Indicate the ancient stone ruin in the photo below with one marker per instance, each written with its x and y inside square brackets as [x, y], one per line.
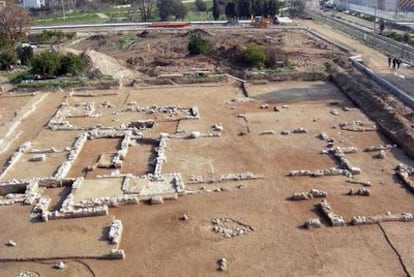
[227, 227]
[327, 211]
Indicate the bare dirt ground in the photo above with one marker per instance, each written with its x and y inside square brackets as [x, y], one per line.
[157, 243]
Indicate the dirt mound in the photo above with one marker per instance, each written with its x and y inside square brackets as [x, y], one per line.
[106, 65]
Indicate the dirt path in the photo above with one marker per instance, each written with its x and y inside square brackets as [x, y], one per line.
[376, 60]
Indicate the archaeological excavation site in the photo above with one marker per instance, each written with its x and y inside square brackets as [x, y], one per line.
[197, 165]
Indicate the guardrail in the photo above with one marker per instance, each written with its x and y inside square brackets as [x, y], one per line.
[405, 52]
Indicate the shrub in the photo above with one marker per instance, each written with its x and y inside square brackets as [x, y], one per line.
[46, 64]
[7, 58]
[71, 64]
[200, 6]
[24, 54]
[198, 45]
[254, 55]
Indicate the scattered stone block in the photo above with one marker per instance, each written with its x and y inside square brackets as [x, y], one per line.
[60, 265]
[37, 158]
[222, 264]
[184, 217]
[313, 223]
[284, 133]
[11, 243]
[300, 130]
[156, 200]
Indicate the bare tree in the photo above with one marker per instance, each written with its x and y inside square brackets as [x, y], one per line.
[14, 23]
[145, 8]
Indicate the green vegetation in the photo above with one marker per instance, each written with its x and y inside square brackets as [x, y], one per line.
[52, 64]
[199, 45]
[126, 41]
[8, 58]
[406, 37]
[254, 55]
[55, 36]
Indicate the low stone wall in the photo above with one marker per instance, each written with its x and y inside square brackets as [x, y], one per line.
[361, 220]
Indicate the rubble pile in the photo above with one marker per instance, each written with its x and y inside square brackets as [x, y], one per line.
[404, 217]
[228, 227]
[339, 154]
[313, 193]
[334, 219]
[357, 126]
[115, 231]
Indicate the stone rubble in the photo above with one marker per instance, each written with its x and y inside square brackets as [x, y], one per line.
[339, 154]
[284, 133]
[264, 106]
[115, 231]
[313, 193]
[27, 273]
[313, 223]
[116, 254]
[240, 100]
[227, 227]
[360, 192]
[357, 126]
[334, 219]
[403, 217]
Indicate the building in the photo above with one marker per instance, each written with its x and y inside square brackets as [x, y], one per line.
[33, 3]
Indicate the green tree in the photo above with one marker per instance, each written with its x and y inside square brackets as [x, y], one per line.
[297, 8]
[199, 45]
[167, 8]
[244, 8]
[71, 64]
[230, 10]
[7, 58]
[254, 55]
[216, 10]
[200, 5]
[46, 64]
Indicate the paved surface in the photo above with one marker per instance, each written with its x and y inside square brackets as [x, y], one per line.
[374, 59]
